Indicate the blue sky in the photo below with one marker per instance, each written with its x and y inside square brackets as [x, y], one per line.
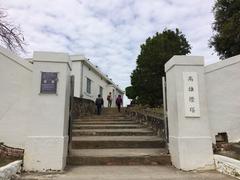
[110, 32]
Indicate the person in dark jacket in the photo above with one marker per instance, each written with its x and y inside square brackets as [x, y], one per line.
[99, 103]
[119, 102]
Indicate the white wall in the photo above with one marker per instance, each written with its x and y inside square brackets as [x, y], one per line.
[81, 71]
[15, 96]
[223, 94]
[47, 141]
[76, 72]
[190, 142]
[96, 82]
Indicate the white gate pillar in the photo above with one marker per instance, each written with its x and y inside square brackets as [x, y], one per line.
[190, 141]
[47, 142]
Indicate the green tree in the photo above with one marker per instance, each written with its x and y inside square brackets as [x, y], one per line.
[146, 79]
[130, 92]
[226, 40]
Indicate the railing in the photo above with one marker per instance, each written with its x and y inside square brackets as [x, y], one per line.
[154, 120]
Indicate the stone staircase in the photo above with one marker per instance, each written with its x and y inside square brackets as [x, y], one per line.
[114, 139]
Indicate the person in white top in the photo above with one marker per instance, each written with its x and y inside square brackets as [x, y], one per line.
[109, 99]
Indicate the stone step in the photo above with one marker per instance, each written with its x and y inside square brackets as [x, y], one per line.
[113, 132]
[104, 122]
[106, 115]
[119, 157]
[105, 126]
[101, 120]
[102, 116]
[99, 142]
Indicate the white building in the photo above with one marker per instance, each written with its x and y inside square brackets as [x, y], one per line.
[89, 81]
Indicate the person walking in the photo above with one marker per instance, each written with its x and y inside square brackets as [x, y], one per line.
[99, 103]
[119, 102]
[109, 99]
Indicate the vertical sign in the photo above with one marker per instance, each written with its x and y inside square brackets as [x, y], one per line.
[191, 96]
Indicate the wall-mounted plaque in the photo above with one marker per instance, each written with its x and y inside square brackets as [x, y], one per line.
[49, 82]
[191, 95]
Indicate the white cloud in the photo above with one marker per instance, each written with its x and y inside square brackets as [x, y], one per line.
[109, 32]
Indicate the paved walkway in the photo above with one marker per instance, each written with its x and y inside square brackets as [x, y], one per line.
[128, 173]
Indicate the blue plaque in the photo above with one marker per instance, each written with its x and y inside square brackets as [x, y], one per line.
[49, 82]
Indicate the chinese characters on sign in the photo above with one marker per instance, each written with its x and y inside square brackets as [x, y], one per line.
[191, 96]
[49, 82]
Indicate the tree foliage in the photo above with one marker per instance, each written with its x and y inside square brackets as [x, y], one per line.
[226, 40]
[10, 35]
[146, 79]
[130, 93]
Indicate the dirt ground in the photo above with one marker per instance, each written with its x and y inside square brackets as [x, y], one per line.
[127, 173]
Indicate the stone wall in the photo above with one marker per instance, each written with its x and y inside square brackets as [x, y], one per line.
[6, 151]
[153, 120]
[82, 107]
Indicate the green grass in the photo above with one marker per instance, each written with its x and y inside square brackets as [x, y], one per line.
[5, 161]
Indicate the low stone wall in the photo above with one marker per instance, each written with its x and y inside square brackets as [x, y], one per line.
[227, 165]
[9, 171]
[6, 151]
[150, 119]
[82, 107]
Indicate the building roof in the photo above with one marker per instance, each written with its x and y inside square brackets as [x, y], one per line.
[87, 62]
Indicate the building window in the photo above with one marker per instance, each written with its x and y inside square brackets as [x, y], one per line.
[101, 90]
[89, 86]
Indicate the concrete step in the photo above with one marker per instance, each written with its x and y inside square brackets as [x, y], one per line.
[99, 142]
[107, 115]
[104, 122]
[101, 120]
[113, 132]
[105, 126]
[119, 157]
[102, 117]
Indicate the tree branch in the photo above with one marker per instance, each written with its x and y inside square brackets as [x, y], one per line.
[10, 35]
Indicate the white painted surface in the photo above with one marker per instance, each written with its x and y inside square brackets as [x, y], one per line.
[190, 141]
[46, 146]
[15, 97]
[83, 69]
[76, 72]
[223, 94]
[8, 171]
[227, 165]
[191, 96]
[45, 153]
